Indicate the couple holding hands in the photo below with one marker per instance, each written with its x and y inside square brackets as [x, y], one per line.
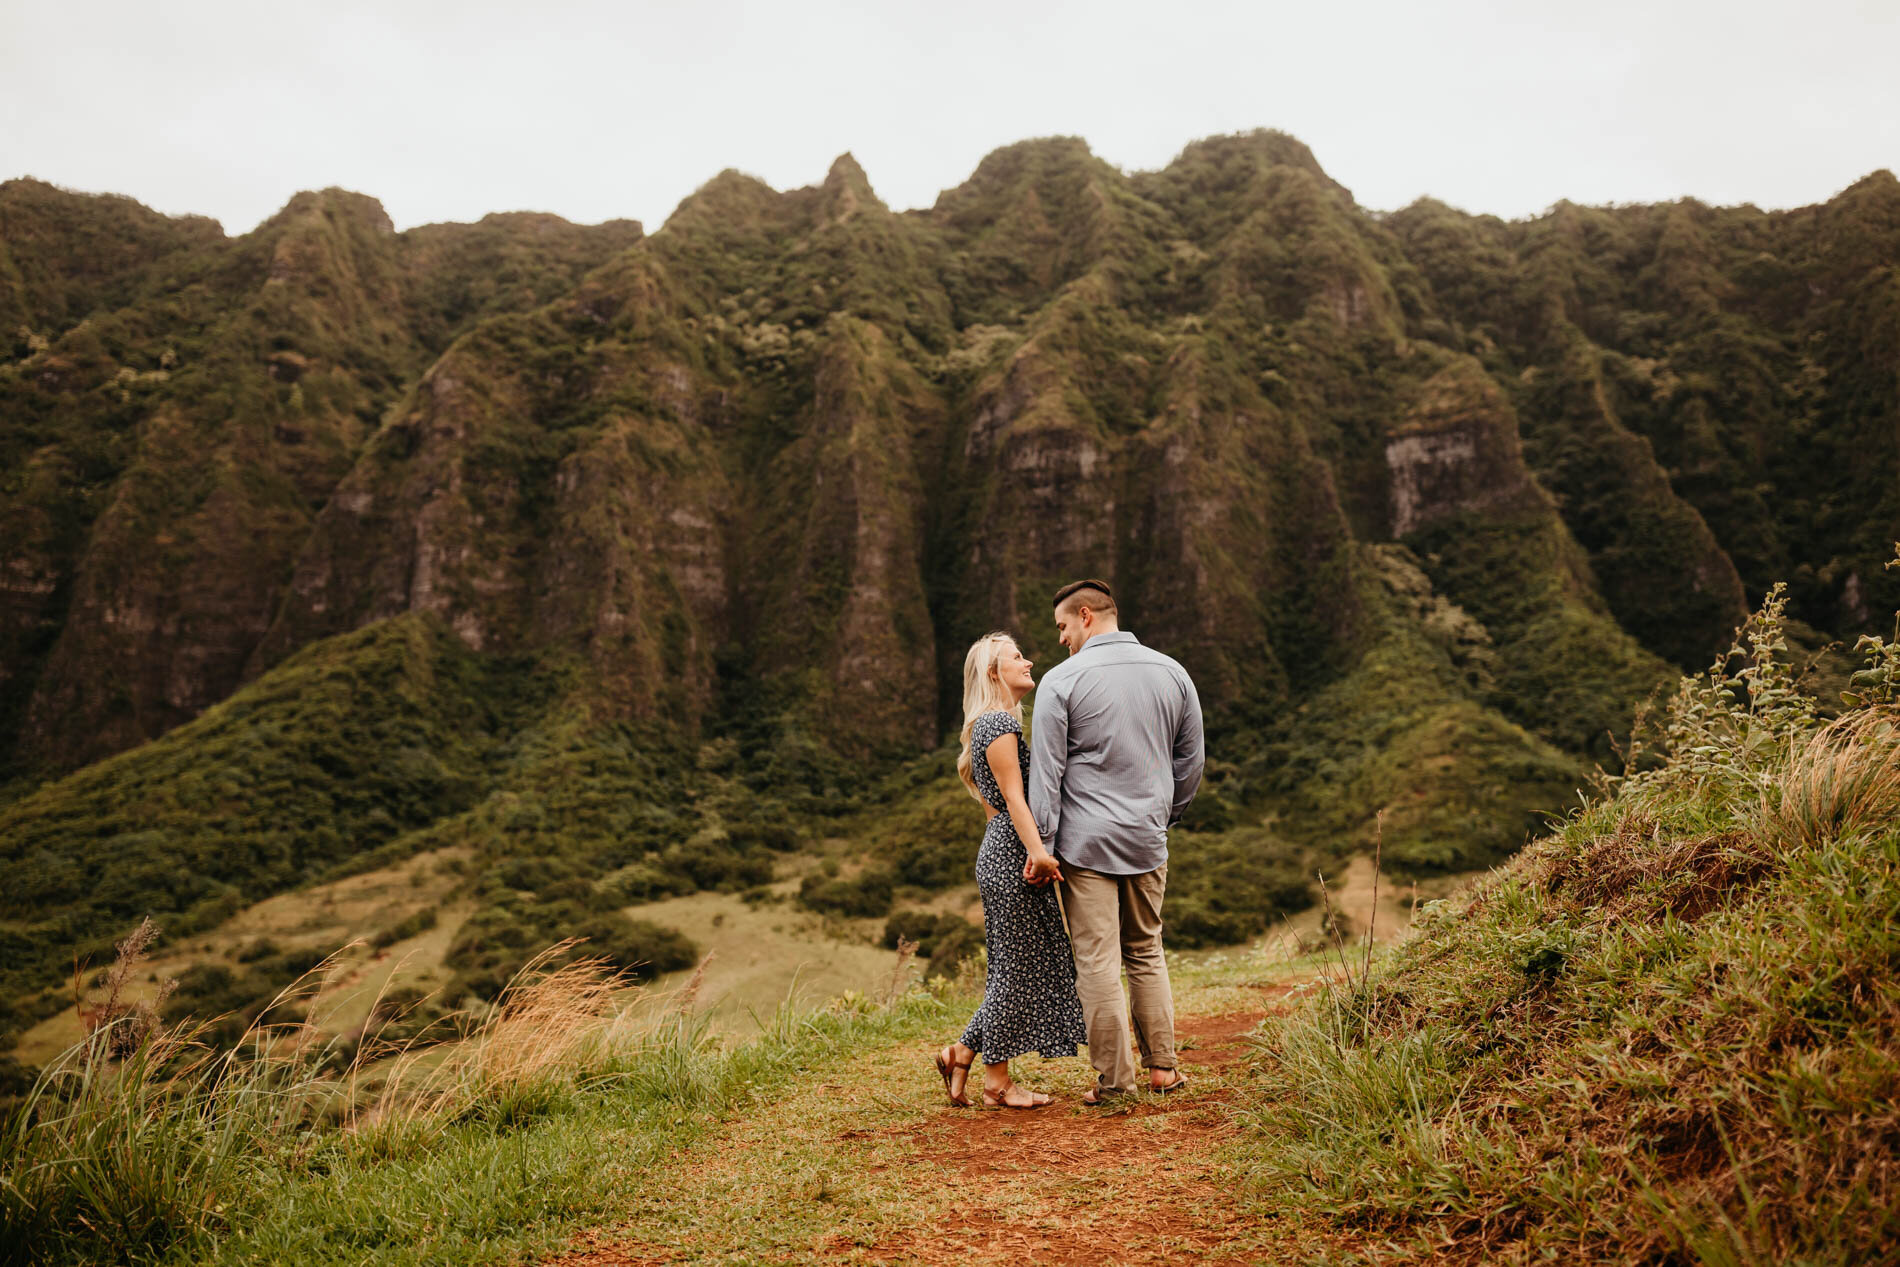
[1078, 825]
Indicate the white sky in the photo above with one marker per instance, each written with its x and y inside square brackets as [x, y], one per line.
[592, 110]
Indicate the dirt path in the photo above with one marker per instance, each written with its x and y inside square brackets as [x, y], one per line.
[880, 1170]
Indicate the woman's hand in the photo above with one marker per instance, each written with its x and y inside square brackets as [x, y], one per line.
[1040, 868]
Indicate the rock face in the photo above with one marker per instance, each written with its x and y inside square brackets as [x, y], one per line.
[179, 439]
[786, 457]
[1458, 453]
[1495, 544]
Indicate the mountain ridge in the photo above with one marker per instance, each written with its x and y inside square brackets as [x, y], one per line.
[1427, 502]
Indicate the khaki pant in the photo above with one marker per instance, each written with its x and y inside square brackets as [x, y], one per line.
[1115, 923]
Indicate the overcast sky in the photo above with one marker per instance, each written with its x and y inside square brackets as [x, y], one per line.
[450, 110]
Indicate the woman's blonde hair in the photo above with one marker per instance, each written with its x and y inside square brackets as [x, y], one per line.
[983, 692]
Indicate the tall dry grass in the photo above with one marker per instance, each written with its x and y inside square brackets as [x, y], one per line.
[128, 1140]
[142, 1135]
[145, 1142]
[1844, 781]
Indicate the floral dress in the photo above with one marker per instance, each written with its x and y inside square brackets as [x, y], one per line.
[1029, 999]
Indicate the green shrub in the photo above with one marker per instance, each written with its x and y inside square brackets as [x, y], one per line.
[497, 941]
[1231, 887]
[864, 895]
[930, 931]
[952, 946]
[413, 926]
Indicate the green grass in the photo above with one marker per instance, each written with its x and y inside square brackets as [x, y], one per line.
[1669, 1032]
[488, 1151]
[494, 1192]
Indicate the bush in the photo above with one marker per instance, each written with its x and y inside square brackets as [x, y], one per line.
[227, 1002]
[638, 947]
[497, 941]
[914, 926]
[645, 881]
[414, 926]
[866, 895]
[1228, 888]
[953, 946]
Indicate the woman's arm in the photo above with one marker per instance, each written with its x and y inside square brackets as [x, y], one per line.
[1008, 772]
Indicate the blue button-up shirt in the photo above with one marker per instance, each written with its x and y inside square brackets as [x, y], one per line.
[1116, 755]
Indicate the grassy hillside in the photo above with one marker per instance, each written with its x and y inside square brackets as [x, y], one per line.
[344, 750]
[1665, 1033]
[362, 749]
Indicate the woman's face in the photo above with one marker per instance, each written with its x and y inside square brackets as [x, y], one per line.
[1012, 670]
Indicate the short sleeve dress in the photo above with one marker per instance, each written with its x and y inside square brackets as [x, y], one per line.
[1029, 1000]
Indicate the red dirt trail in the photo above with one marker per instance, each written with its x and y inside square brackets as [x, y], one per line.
[1122, 1188]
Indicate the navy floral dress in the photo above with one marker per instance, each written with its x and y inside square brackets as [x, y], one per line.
[1029, 999]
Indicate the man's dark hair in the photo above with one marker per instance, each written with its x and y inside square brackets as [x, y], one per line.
[1091, 593]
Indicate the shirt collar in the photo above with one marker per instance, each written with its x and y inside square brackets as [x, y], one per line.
[1120, 635]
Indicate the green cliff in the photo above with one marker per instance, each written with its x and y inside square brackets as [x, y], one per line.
[1427, 502]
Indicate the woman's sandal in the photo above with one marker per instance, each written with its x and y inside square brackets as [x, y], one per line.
[1037, 1099]
[947, 1065]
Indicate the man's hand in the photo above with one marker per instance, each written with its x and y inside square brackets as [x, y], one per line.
[1041, 868]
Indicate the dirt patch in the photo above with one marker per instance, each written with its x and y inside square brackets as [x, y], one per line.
[1181, 1232]
[601, 1247]
[1137, 1182]
[1144, 1170]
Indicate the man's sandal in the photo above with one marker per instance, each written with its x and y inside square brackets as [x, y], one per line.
[1037, 1099]
[1094, 1097]
[1180, 1081]
[947, 1065]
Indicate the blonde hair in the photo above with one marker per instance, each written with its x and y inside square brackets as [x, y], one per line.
[983, 692]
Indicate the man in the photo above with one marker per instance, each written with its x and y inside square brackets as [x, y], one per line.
[1115, 759]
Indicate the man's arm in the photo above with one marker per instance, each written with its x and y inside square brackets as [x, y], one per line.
[1190, 751]
[1048, 757]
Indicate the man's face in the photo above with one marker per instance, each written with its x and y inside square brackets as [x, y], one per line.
[1072, 627]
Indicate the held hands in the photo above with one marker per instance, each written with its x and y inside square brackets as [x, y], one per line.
[1040, 868]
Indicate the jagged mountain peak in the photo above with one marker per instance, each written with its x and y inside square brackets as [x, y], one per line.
[731, 201]
[1880, 178]
[1046, 171]
[1240, 156]
[335, 202]
[846, 171]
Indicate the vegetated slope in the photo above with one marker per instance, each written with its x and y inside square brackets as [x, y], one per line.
[178, 406]
[1666, 1033]
[358, 750]
[747, 486]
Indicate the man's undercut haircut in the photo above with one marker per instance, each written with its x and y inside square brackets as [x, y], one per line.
[1091, 593]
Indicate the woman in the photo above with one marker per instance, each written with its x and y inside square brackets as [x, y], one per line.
[1029, 999]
